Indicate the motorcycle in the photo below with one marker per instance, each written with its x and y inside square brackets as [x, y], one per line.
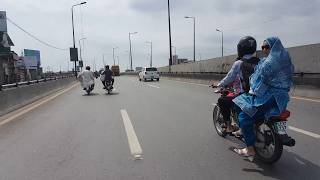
[270, 134]
[109, 86]
[89, 89]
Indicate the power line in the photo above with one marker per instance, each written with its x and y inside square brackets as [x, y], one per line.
[34, 37]
[255, 25]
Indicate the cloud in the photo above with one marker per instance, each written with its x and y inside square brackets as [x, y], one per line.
[106, 24]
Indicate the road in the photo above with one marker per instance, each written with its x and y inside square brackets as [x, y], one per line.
[78, 137]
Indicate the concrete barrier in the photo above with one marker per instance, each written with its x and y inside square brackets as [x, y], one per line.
[12, 99]
[305, 58]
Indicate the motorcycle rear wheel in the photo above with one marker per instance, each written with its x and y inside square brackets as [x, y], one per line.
[267, 140]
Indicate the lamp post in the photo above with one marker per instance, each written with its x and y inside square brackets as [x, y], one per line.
[194, 36]
[175, 50]
[169, 22]
[74, 41]
[150, 42]
[221, 41]
[114, 61]
[130, 48]
[175, 55]
[81, 48]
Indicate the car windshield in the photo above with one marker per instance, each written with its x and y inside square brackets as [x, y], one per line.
[151, 69]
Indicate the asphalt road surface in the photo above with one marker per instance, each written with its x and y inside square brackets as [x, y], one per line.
[144, 130]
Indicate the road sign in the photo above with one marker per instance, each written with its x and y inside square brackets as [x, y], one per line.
[73, 54]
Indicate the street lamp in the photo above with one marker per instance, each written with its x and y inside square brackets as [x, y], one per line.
[74, 41]
[114, 61]
[150, 42]
[81, 48]
[130, 48]
[175, 50]
[118, 60]
[169, 22]
[221, 41]
[194, 36]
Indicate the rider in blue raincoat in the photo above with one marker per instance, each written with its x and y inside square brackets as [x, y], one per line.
[269, 88]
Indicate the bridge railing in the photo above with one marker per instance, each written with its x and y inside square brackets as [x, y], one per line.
[26, 83]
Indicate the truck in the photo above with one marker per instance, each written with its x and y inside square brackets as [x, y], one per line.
[116, 70]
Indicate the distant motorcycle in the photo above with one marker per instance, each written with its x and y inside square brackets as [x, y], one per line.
[270, 133]
[89, 89]
[109, 86]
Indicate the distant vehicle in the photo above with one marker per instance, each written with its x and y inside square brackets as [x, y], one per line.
[149, 73]
[116, 70]
[138, 69]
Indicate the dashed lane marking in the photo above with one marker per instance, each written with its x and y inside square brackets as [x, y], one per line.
[153, 86]
[314, 135]
[135, 148]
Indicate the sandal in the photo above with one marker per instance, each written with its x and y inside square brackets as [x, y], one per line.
[244, 153]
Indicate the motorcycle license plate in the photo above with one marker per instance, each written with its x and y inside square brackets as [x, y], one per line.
[281, 127]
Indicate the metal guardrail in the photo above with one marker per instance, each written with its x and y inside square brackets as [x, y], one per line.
[26, 83]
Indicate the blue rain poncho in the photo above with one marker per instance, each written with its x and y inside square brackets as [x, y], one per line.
[272, 79]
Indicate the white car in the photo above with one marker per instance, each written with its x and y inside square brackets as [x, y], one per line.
[149, 73]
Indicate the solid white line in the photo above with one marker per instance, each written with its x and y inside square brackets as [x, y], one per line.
[314, 135]
[33, 106]
[306, 99]
[133, 141]
[153, 86]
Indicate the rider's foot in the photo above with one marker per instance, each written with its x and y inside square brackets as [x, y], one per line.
[231, 128]
[245, 152]
[237, 133]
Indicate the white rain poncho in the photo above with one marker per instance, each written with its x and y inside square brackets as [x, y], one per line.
[86, 78]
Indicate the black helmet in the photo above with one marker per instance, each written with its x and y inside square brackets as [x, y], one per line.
[246, 45]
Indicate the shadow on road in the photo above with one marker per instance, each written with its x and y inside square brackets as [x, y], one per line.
[91, 94]
[112, 93]
[290, 166]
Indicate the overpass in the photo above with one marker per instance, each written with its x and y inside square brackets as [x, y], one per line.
[144, 130]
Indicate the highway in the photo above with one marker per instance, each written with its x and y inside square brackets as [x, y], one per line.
[143, 131]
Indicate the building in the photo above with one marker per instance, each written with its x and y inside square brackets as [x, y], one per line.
[176, 60]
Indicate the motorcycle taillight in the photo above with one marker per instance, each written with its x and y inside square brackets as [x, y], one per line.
[284, 115]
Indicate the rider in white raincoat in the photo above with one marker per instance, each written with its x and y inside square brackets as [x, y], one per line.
[86, 78]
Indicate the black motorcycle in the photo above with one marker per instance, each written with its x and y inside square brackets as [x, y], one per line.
[89, 89]
[270, 134]
[108, 86]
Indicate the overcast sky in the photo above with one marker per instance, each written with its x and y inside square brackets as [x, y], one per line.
[106, 24]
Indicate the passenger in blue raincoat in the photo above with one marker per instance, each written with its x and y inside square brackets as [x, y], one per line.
[269, 88]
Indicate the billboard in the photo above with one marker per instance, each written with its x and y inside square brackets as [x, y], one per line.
[30, 62]
[35, 56]
[3, 21]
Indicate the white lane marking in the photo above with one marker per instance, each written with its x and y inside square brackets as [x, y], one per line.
[133, 141]
[22, 111]
[314, 135]
[306, 99]
[153, 86]
[189, 83]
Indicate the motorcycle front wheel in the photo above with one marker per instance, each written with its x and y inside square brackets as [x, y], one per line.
[218, 121]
